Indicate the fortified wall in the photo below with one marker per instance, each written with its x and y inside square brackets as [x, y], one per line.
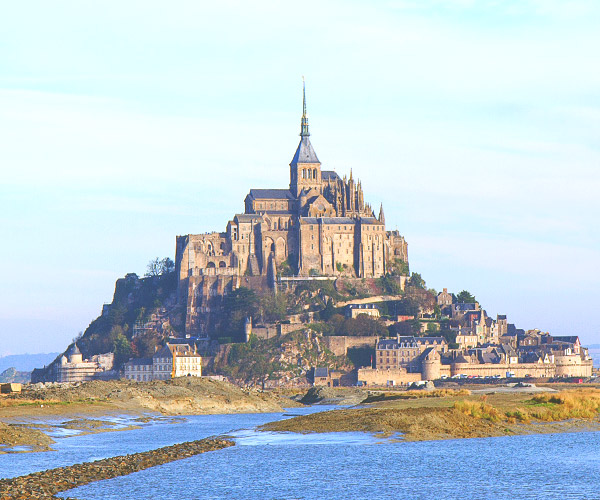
[568, 367]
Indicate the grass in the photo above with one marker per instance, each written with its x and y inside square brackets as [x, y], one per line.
[479, 410]
[545, 407]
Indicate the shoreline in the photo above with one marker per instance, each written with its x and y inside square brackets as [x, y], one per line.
[46, 484]
[421, 424]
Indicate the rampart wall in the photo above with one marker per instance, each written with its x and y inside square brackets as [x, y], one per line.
[339, 345]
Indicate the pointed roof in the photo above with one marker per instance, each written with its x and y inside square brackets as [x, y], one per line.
[73, 350]
[305, 152]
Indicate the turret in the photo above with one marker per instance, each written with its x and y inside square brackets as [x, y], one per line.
[381, 217]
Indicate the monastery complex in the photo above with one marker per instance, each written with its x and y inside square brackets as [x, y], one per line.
[319, 226]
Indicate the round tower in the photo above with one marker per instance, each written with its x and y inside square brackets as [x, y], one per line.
[74, 354]
[432, 365]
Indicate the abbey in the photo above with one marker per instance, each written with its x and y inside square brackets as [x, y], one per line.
[319, 226]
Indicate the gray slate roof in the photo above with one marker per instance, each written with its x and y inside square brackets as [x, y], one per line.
[327, 220]
[321, 372]
[304, 153]
[247, 217]
[271, 194]
[139, 361]
[329, 175]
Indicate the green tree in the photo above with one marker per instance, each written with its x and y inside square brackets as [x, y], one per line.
[433, 329]
[329, 310]
[273, 307]
[144, 345]
[159, 267]
[465, 297]
[122, 349]
[416, 280]
[237, 306]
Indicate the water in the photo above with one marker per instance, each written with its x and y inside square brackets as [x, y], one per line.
[71, 447]
[336, 466]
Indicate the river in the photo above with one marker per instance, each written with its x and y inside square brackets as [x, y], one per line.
[329, 466]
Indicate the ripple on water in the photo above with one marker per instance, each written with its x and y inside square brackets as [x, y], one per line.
[553, 467]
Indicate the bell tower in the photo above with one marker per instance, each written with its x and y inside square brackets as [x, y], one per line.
[305, 167]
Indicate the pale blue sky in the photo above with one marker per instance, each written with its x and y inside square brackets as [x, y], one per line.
[123, 124]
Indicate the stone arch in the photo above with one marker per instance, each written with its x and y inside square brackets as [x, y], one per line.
[269, 246]
[211, 265]
[222, 264]
[280, 253]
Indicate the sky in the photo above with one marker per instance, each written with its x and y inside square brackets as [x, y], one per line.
[126, 123]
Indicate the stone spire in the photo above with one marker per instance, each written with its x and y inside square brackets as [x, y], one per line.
[381, 216]
[304, 124]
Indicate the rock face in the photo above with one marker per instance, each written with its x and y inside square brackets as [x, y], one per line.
[45, 484]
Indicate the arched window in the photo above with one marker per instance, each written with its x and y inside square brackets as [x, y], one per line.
[315, 173]
[222, 264]
[304, 173]
[211, 265]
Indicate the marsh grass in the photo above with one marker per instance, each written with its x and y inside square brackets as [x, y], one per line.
[479, 409]
[545, 407]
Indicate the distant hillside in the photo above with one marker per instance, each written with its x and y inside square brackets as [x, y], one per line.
[12, 375]
[26, 362]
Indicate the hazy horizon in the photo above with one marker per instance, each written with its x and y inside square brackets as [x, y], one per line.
[124, 124]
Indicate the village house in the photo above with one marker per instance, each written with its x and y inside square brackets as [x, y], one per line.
[169, 361]
[354, 310]
[405, 351]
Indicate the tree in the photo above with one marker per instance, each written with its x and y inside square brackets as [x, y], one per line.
[122, 349]
[144, 345]
[166, 266]
[329, 310]
[237, 306]
[465, 297]
[159, 267]
[274, 307]
[416, 280]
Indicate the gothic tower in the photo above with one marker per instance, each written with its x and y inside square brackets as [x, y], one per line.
[305, 168]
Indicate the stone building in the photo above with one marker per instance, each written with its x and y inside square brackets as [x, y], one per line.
[403, 360]
[355, 310]
[169, 361]
[319, 225]
[71, 366]
[444, 298]
[406, 351]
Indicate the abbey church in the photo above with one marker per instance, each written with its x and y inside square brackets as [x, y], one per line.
[319, 226]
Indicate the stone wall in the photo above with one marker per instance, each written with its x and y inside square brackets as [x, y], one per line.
[397, 376]
[339, 345]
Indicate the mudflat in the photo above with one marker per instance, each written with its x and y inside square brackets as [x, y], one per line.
[421, 416]
[86, 402]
